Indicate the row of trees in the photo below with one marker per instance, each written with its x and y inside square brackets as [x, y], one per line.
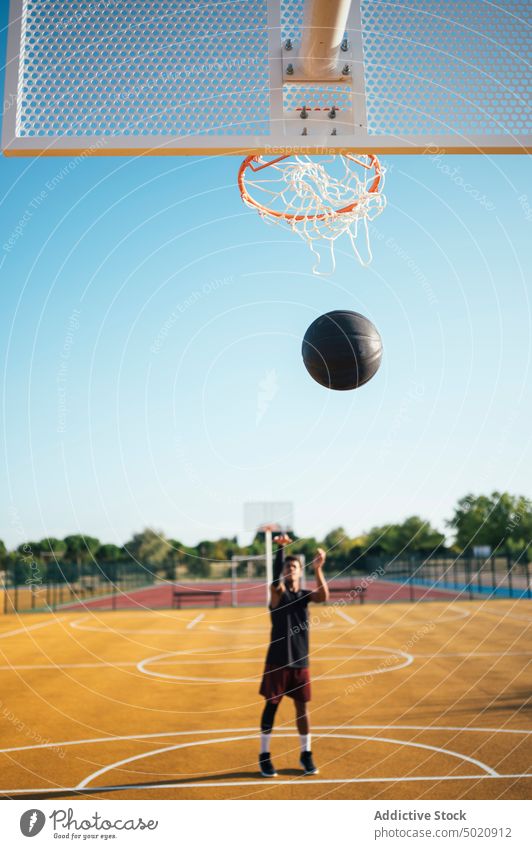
[500, 520]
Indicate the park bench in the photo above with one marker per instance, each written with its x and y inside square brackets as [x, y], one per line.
[179, 595]
[352, 592]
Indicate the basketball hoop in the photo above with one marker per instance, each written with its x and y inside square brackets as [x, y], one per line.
[272, 527]
[318, 197]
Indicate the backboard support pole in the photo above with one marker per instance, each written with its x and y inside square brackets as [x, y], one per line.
[325, 22]
[269, 562]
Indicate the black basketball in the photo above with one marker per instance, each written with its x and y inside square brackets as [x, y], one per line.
[342, 350]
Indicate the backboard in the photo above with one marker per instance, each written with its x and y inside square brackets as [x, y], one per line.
[159, 76]
[278, 515]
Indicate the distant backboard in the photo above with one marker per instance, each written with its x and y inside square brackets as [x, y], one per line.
[194, 77]
[279, 515]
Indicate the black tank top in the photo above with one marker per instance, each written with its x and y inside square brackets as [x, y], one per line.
[289, 638]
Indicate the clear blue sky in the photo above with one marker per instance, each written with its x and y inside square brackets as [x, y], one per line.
[150, 346]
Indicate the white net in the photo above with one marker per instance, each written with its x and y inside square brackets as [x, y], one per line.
[320, 198]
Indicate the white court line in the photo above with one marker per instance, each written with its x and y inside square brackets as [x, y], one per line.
[258, 782]
[502, 614]
[118, 632]
[345, 616]
[28, 628]
[50, 666]
[153, 735]
[320, 626]
[199, 618]
[407, 660]
[412, 620]
[192, 662]
[143, 755]
[315, 657]
[477, 654]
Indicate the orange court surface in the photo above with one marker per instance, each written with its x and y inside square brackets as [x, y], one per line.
[410, 701]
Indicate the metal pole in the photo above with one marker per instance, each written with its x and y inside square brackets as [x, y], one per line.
[527, 573]
[510, 582]
[269, 563]
[324, 26]
[469, 577]
[234, 598]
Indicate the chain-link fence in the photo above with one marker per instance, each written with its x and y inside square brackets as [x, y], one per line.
[241, 582]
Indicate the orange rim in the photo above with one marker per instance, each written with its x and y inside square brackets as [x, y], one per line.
[291, 216]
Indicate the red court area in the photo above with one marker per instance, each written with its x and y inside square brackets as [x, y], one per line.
[223, 594]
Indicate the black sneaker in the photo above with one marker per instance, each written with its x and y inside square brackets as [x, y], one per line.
[267, 769]
[308, 764]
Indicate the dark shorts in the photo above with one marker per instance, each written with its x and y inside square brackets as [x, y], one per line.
[278, 682]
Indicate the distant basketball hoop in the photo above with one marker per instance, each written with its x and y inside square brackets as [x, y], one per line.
[269, 517]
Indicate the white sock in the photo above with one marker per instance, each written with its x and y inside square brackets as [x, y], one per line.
[265, 743]
[305, 742]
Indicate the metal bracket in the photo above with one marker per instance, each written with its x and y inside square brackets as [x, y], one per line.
[293, 66]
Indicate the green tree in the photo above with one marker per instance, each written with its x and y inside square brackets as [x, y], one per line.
[413, 536]
[418, 535]
[190, 558]
[335, 539]
[50, 551]
[341, 553]
[16, 570]
[500, 520]
[206, 551]
[357, 554]
[80, 549]
[200, 568]
[109, 553]
[307, 547]
[227, 546]
[149, 546]
[520, 541]
[28, 550]
[50, 546]
[174, 562]
[3, 555]
[380, 539]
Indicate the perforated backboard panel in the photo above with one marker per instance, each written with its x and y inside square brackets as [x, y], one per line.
[448, 67]
[260, 513]
[160, 76]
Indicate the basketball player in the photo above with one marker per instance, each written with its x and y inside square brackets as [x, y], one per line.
[286, 671]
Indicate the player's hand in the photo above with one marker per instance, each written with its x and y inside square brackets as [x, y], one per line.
[282, 539]
[319, 558]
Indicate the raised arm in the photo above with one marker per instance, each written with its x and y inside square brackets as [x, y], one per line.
[277, 587]
[321, 593]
